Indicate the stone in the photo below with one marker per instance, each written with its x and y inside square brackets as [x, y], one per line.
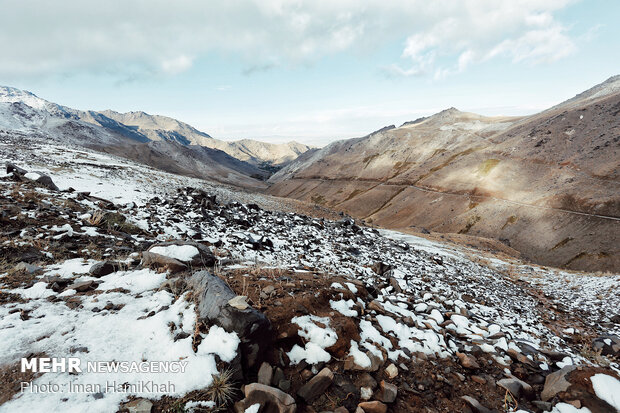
[139, 406]
[391, 371]
[101, 269]
[478, 379]
[381, 268]
[555, 383]
[366, 380]
[204, 258]
[252, 326]
[387, 392]
[475, 405]
[15, 169]
[29, 268]
[518, 388]
[317, 385]
[344, 390]
[239, 302]
[468, 361]
[544, 406]
[365, 393]
[153, 260]
[376, 306]
[272, 400]
[83, 286]
[608, 345]
[265, 374]
[373, 407]
[269, 289]
[341, 409]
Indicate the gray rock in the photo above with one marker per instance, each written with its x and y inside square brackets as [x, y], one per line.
[476, 406]
[252, 327]
[153, 260]
[317, 385]
[608, 345]
[517, 387]
[555, 383]
[387, 392]
[15, 169]
[29, 268]
[272, 400]
[83, 286]
[101, 269]
[265, 374]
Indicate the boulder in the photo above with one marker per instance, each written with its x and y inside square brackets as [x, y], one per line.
[252, 326]
[317, 385]
[11, 168]
[265, 373]
[190, 253]
[555, 383]
[271, 400]
[101, 269]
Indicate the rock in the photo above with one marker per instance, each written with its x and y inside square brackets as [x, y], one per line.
[45, 181]
[373, 407]
[344, 390]
[272, 400]
[468, 361]
[556, 383]
[608, 345]
[366, 380]
[265, 374]
[478, 379]
[83, 286]
[341, 409]
[376, 305]
[204, 257]
[15, 169]
[153, 260]
[544, 406]
[252, 327]
[25, 267]
[269, 289]
[475, 404]
[387, 392]
[101, 269]
[391, 371]
[365, 393]
[239, 302]
[139, 406]
[278, 374]
[317, 385]
[517, 387]
[381, 268]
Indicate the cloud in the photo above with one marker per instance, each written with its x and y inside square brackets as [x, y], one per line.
[39, 38]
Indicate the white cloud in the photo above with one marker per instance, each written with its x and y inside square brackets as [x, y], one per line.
[39, 37]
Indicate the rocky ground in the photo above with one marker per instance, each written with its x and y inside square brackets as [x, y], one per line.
[276, 311]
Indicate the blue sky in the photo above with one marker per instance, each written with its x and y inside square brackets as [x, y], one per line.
[308, 71]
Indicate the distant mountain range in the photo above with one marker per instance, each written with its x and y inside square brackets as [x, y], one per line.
[159, 141]
[547, 185]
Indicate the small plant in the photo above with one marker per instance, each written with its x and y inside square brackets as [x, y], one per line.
[222, 389]
[96, 218]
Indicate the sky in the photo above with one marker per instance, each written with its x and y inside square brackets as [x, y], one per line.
[312, 71]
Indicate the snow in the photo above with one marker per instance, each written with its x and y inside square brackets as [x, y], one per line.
[319, 338]
[220, 342]
[568, 408]
[344, 307]
[361, 359]
[179, 252]
[607, 388]
[253, 408]
[198, 406]
[33, 176]
[134, 281]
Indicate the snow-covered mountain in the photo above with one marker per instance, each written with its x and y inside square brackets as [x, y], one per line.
[158, 141]
[158, 128]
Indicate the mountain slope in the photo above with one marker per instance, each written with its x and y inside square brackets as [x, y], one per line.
[159, 128]
[547, 184]
[26, 116]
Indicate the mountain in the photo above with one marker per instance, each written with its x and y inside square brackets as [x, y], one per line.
[24, 114]
[162, 128]
[547, 185]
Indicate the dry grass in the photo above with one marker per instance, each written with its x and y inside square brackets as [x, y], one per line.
[222, 390]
